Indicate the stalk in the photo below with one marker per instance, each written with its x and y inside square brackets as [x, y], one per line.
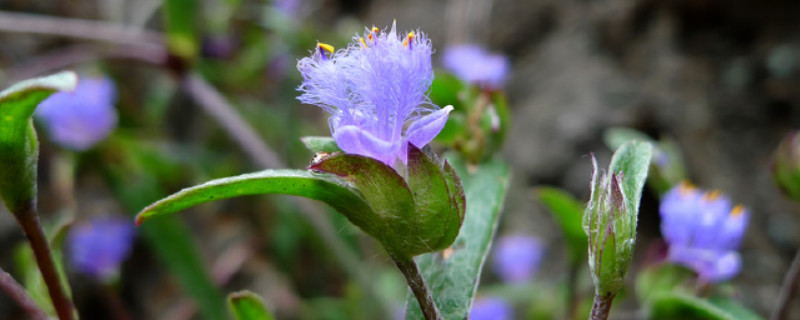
[28, 219]
[788, 290]
[417, 284]
[16, 292]
[601, 307]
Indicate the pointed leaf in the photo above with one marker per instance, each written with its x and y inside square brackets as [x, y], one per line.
[290, 182]
[633, 160]
[678, 305]
[246, 305]
[617, 136]
[453, 274]
[19, 150]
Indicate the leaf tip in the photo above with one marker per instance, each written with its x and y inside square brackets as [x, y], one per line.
[140, 218]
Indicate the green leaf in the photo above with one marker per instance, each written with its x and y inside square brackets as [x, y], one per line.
[662, 278]
[19, 151]
[320, 144]
[246, 305]
[452, 275]
[290, 182]
[181, 24]
[616, 137]
[667, 168]
[445, 89]
[633, 160]
[568, 213]
[678, 305]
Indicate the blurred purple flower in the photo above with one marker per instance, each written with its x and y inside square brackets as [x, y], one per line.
[376, 92]
[491, 308]
[473, 64]
[703, 231]
[79, 119]
[219, 46]
[288, 7]
[517, 258]
[99, 246]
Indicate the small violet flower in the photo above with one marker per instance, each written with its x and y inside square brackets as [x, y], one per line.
[517, 258]
[703, 231]
[376, 91]
[473, 64]
[99, 246]
[491, 308]
[79, 119]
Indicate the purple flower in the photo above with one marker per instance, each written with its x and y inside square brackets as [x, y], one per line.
[288, 7]
[516, 258]
[99, 246]
[703, 231]
[491, 308]
[376, 91]
[77, 120]
[473, 64]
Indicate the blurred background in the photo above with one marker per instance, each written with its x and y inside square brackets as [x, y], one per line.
[720, 78]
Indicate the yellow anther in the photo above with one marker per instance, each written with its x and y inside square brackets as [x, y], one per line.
[408, 39]
[326, 47]
[711, 196]
[686, 187]
[375, 30]
[737, 210]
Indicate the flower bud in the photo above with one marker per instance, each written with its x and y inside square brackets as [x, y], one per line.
[611, 216]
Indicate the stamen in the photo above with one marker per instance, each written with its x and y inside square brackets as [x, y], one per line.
[407, 42]
[324, 47]
[737, 210]
[374, 31]
[363, 43]
[686, 187]
[711, 196]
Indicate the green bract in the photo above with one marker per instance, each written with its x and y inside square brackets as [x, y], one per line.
[409, 216]
[453, 275]
[611, 216]
[19, 151]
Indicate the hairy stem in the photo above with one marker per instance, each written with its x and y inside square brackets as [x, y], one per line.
[788, 290]
[28, 219]
[601, 307]
[17, 293]
[417, 284]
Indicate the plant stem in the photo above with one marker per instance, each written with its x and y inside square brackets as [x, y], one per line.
[28, 219]
[417, 284]
[14, 290]
[788, 290]
[601, 307]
